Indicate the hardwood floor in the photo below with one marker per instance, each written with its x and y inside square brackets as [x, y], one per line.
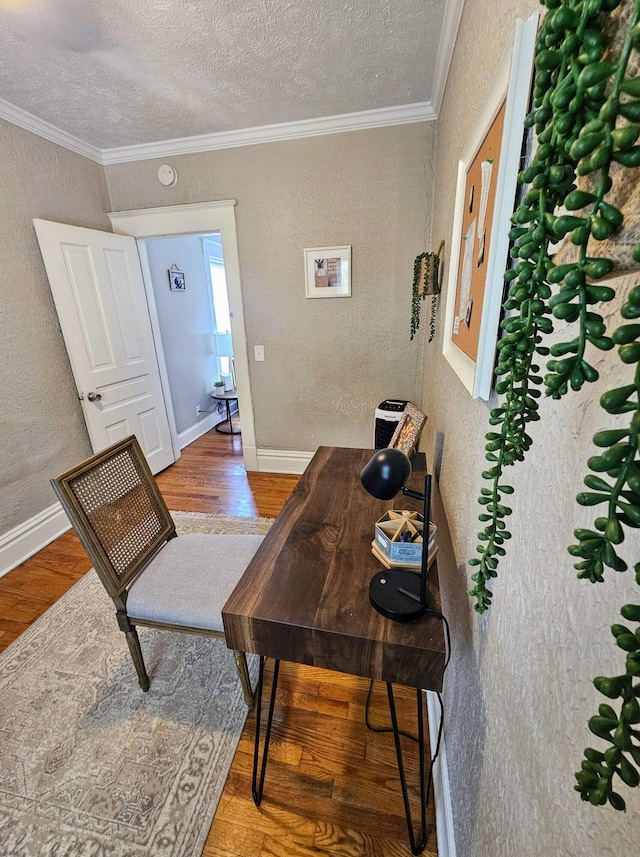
[332, 785]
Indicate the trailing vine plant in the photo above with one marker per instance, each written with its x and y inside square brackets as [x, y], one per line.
[425, 282]
[586, 118]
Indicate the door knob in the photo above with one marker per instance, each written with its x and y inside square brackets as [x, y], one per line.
[94, 397]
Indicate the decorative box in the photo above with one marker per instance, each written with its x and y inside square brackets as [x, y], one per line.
[399, 539]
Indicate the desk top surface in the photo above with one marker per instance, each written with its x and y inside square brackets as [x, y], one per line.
[305, 595]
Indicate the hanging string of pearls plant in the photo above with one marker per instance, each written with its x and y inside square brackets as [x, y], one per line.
[427, 280]
[586, 118]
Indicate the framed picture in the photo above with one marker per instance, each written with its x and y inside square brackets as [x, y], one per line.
[176, 280]
[328, 272]
[485, 194]
[407, 432]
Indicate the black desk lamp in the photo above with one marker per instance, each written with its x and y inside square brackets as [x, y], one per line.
[398, 593]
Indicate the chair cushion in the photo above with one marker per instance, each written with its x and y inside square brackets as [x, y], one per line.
[190, 579]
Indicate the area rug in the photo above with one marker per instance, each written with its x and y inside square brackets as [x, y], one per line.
[91, 765]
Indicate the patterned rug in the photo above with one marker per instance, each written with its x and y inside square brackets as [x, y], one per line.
[91, 765]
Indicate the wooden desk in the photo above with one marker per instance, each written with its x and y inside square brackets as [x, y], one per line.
[305, 595]
[305, 598]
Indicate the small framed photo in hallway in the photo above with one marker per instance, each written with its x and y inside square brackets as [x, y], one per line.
[176, 280]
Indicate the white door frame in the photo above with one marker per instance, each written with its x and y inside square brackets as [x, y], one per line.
[196, 219]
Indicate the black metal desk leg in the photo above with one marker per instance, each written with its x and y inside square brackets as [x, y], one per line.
[256, 789]
[416, 847]
[228, 420]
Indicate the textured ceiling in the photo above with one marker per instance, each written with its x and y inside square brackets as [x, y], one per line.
[126, 72]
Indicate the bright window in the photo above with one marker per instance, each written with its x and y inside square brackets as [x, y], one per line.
[220, 297]
[220, 305]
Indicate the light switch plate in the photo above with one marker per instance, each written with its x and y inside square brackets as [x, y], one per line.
[258, 351]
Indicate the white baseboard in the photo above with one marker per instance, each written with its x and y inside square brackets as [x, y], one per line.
[250, 456]
[195, 431]
[441, 791]
[282, 461]
[28, 538]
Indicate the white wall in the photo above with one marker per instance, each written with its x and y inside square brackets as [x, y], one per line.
[185, 325]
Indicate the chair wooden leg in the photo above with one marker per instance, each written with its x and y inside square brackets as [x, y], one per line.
[245, 681]
[134, 647]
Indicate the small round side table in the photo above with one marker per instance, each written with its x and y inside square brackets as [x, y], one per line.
[228, 397]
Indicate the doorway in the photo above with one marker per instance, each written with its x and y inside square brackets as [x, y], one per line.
[200, 219]
[195, 328]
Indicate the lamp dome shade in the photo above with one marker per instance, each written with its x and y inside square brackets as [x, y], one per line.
[223, 344]
[386, 473]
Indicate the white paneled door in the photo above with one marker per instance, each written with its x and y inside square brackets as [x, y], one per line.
[97, 287]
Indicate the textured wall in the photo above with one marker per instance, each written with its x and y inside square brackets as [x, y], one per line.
[519, 692]
[333, 360]
[41, 425]
[185, 325]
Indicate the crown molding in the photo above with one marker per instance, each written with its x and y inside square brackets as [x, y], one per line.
[450, 24]
[421, 111]
[407, 113]
[29, 122]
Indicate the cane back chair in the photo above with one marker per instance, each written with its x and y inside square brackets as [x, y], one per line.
[153, 576]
